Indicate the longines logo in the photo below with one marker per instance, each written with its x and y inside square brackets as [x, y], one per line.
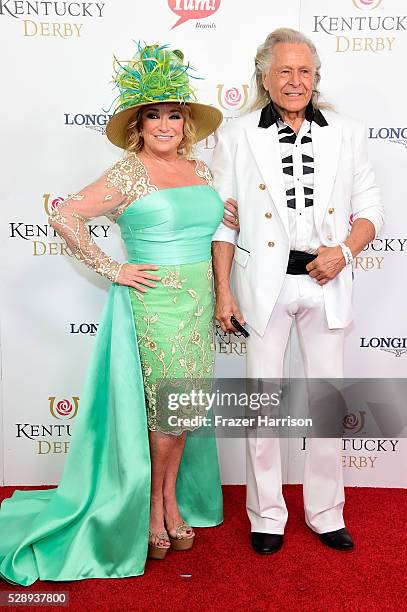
[362, 33]
[194, 9]
[355, 422]
[395, 346]
[233, 99]
[84, 328]
[33, 231]
[396, 135]
[39, 12]
[363, 445]
[227, 343]
[95, 121]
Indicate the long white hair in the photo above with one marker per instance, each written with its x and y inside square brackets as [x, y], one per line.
[263, 60]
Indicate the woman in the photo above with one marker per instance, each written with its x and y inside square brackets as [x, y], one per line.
[107, 514]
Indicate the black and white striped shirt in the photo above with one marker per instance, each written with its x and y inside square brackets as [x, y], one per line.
[297, 161]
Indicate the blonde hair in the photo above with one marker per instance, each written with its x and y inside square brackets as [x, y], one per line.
[135, 141]
[263, 60]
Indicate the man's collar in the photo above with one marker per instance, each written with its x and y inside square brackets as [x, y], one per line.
[269, 115]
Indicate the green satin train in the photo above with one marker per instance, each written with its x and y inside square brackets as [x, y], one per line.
[95, 523]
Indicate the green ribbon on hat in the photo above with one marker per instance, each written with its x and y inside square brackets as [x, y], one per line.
[154, 74]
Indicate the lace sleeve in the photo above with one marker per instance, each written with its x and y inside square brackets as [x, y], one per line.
[108, 195]
[203, 171]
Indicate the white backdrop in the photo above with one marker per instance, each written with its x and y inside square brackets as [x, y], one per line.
[56, 91]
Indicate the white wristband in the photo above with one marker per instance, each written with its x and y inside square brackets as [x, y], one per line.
[347, 253]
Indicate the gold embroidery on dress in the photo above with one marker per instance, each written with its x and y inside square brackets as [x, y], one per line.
[77, 237]
[129, 176]
[172, 279]
[189, 333]
[124, 183]
[203, 171]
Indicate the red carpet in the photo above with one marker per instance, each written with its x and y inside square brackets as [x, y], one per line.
[304, 575]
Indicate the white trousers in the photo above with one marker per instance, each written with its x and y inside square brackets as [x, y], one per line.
[301, 299]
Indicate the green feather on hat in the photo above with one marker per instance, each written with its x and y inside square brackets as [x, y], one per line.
[156, 74]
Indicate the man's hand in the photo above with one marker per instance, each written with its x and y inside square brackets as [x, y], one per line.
[230, 215]
[327, 265]
[226, 306]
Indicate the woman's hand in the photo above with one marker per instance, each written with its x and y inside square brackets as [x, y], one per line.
[230, 215]
[136, 275]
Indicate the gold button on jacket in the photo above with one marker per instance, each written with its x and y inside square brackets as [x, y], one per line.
[262, 186]
[268, 215]
[271, 243]
[331, 210]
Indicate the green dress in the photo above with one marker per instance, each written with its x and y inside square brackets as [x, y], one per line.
[174, 320]
[95, 523]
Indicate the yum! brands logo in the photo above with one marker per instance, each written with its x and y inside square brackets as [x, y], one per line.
[63, 409]
[194, 9]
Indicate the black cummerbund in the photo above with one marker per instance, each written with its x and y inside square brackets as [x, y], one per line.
[297, 262]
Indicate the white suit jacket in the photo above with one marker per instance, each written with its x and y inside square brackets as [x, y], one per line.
[247, 166]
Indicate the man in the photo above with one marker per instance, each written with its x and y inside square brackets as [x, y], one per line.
[298, 174]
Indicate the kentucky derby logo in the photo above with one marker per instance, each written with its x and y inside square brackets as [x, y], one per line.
[233, 98]
[43, 237]
[64, 409]
[372, 32]
[229, 343]
[52, 19]
[193, 9]
[366, 4]
[50, 203]
[354, 422]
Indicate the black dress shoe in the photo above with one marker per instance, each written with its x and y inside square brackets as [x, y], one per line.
[339, 539]
[266, 543]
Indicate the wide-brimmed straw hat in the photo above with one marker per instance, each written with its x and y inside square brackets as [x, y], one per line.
[156, 74]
